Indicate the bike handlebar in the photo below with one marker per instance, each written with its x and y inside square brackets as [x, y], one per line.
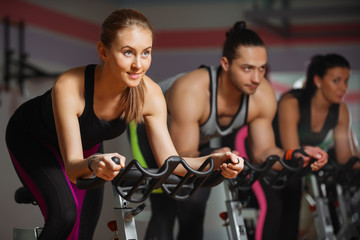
[291, 168]
[344, 174]
[277, 179]
[252, 172]
[134, 179]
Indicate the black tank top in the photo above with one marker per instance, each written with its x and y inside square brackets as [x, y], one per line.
[36, 117]
[306, 135]
[94, 130]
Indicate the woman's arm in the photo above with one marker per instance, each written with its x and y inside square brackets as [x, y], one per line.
[355, 148]
[68, 104]
[289, 117]
[343, 136]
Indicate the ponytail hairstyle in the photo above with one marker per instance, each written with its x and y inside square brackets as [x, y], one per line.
[132, 98]
[238, 36]
[318, 66]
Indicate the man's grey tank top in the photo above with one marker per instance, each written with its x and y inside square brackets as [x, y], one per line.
[211, 128]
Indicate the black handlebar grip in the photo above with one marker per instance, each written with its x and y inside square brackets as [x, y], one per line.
[90, 183]
[116, 160]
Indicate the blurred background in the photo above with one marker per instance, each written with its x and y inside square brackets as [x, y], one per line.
[41, 38]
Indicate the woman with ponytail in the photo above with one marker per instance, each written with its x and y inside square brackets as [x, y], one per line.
[314, 115]
[56, 138]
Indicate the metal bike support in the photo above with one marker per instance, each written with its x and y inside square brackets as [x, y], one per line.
[234, 209]
[125, 225]
[342, 213]
[321, 213]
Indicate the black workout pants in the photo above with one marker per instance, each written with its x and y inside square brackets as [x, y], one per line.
[283, 211]
[190, 214]
[69, 213]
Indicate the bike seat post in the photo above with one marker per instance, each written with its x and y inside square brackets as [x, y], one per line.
[126, 226]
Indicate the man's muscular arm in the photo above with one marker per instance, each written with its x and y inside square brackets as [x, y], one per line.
[186, 102]
[262, 109]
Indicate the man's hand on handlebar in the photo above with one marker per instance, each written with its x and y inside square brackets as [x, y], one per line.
[224, 150]
[315, 153]
[104, 167]
[229, 163]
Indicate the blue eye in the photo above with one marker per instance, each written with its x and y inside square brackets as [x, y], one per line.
[127, 53]
[146, 53]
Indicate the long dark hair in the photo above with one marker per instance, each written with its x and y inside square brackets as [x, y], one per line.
[237, 36]
[318, 66]
[132, 98]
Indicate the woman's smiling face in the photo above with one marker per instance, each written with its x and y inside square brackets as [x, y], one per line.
[129, 55]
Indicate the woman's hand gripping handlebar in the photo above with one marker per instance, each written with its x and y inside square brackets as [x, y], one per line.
[135, 183]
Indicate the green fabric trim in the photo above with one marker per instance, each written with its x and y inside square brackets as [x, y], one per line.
[136, 152]
[135, 148]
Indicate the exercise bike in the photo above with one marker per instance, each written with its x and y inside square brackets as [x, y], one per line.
[134, 184]
[237, 190]
[348, 197]
[237, 197]
[336, 186]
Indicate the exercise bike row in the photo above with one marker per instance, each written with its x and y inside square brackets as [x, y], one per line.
[333, 197]
[135, 183]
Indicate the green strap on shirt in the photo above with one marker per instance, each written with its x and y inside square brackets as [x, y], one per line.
[135, 149]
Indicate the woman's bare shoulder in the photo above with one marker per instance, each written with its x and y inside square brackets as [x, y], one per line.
[71, 82]
[70, 75]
